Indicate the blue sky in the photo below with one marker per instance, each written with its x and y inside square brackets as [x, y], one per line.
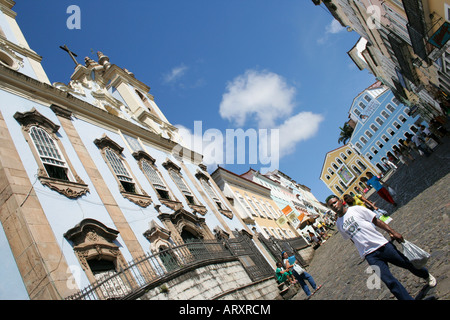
[235, 64]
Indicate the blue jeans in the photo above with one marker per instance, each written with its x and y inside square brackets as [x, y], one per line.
[301, 279]
[390, 254]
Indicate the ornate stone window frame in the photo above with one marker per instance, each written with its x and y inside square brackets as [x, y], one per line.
[72, 188]
[158, 237]
[139, 196]
[92, 240]
[195, 206]
[203, 178]
[172, 203]
[183, 219]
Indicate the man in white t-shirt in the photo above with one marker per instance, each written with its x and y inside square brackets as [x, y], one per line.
[359, 225]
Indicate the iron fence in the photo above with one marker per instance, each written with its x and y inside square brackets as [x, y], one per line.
[149, 270]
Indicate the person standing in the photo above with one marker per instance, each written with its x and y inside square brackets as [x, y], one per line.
[383, 192]
[359, 225]
[388, 163]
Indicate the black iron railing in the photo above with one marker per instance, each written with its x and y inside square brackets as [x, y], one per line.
[149, 271]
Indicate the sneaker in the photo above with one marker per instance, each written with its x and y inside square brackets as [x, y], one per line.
[431, 281]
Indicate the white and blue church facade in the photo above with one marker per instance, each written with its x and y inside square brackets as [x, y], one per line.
[92, 175]
[381, 122]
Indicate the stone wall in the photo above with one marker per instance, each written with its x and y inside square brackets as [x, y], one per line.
[307, 254]
[221, 281]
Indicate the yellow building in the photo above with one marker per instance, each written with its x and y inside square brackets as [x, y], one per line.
[342, 169]
[254, 204]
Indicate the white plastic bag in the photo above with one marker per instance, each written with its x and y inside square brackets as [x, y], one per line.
[298, 269]
[380, 212]
[392, 191]
[416, 255]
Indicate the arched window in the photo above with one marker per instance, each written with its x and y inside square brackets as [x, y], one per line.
[95, 246]
[51, 157]
[204, 180]
[175, 173]
[176, 177]
[148, 167]
[54, 167]
[128, 185]
[361, 165]
[155, 179]
[390, 107]
[355, 168]
[121, 172]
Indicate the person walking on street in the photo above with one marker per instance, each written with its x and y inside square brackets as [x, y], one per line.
[388, 163]
[401, 155]
[300, 274]
[383, 192]
[359, 225]
[420, 143]
[405, 149]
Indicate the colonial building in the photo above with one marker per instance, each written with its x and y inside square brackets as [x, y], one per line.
[98, 197]
[300, 191]
[342, 169]
[254, 204]
[404, 44]
[295, 201]
[381, 122]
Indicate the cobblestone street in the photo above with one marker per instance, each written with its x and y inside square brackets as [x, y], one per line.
[422, 217]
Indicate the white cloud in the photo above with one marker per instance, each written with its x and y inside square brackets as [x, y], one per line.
[334, 27]
[262, 95]
[175, 74]
[300, 127]
[267, 98]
